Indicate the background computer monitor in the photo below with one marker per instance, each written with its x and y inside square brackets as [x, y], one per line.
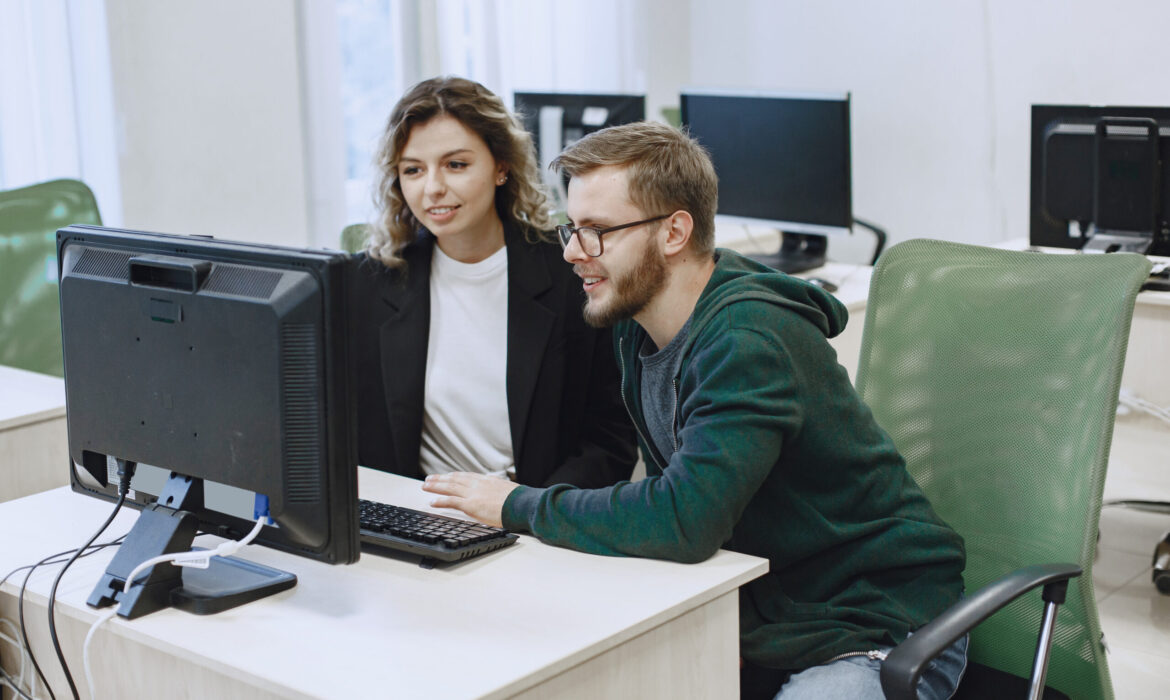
[222, 363]
[1099, 178]
[783, 160]
[559, 119]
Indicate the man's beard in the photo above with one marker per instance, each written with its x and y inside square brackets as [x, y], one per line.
[632, 291]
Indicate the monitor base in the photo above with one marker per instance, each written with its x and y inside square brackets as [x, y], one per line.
[229, 582]
[799, 252]
[165, 529]
[1112, 242]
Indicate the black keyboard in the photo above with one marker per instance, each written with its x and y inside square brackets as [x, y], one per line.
[434, 537]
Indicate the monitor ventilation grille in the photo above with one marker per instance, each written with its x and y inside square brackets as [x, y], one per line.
[300, 371]
[96, 262]
[242, 281]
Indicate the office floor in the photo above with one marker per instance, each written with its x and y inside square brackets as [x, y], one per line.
[1134, 616]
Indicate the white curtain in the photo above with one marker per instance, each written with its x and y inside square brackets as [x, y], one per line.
[567, 45]
[56, 101]
[508, 45]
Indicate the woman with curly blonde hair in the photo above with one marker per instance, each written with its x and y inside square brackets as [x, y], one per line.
[466, 323]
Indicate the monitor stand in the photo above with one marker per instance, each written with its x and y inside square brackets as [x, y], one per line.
[1119, 242]
[166, 527]
[798, 252]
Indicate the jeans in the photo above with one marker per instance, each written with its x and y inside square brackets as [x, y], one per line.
[857, 677]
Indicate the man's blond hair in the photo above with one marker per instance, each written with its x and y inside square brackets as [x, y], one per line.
[666, 168]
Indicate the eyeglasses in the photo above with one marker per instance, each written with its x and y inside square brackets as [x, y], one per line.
[590, 237]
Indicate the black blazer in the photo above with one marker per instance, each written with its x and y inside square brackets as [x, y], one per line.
[568, 421]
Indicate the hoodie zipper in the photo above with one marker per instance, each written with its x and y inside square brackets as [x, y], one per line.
[873, 655]
[625, 400]
[674, 416]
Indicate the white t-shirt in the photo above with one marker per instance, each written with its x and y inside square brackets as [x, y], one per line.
[465, 409]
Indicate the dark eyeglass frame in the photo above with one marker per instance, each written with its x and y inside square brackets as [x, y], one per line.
[565, 233]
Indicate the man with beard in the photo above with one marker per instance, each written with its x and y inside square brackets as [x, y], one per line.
[752, 434]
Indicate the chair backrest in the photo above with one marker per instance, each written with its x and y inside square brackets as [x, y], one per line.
[997, 373]
[30, 321]
[354, 237]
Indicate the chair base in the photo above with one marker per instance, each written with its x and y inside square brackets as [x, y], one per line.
[981, 682]
[759, 683]
[1161, 573]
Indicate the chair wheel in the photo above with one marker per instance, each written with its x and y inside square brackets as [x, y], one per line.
[1161, 573]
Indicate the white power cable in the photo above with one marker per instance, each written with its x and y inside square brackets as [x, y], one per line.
[1128, 401]
[14, 639]
[18, 685]
[200, 559]
[85, 648]
[17, 691]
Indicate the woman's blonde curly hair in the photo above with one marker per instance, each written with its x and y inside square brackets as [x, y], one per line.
[520, 201]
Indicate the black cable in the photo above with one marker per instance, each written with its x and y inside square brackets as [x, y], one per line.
[51, 559]
[112, 543]
[126, 471]
[24, 630]
[53, 594]
[6, 676]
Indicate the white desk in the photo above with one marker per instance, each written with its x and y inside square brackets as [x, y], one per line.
[34, 455]
[528, 621]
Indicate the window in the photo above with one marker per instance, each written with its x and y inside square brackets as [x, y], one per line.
[56, 108]
[373, 64]
[388, 45]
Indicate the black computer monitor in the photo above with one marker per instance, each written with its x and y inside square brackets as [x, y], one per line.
[1099, 178]
[220, 370]
[556, 120]
[783, 160]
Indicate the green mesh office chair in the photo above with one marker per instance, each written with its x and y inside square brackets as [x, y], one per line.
[30, 325]
[997, 374]
[354, 237]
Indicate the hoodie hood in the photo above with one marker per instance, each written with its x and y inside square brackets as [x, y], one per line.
[737, 278]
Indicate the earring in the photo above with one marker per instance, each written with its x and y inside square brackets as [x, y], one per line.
[502, 180]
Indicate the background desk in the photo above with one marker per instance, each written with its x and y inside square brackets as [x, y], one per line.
[34, 455]
[528, 621]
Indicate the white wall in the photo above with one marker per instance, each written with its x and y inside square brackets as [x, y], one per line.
[210, 105]
[665, 52]
[941, 90]
[209, 115]
[209, 99]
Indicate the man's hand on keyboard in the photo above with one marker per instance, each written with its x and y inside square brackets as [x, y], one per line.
[478, 495]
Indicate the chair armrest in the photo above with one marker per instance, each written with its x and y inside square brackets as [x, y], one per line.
[904, 665]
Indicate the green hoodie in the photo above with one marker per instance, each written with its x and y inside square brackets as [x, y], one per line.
[778, 457]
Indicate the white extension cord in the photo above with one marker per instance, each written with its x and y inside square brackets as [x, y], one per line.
[199, 559]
